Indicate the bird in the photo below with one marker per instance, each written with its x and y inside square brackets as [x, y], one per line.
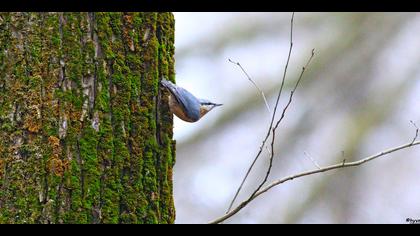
[185, 105]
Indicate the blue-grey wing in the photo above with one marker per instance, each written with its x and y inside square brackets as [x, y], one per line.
[190, 104]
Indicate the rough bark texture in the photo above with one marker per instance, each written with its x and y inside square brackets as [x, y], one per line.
[85, 131]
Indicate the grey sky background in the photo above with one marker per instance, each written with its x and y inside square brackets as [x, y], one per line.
[357, 98]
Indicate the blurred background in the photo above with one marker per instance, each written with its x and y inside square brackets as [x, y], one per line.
[356, 99]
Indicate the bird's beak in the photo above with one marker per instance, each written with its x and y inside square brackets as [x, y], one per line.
[216, 105]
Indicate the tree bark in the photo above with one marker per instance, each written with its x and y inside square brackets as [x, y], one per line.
[85, 129]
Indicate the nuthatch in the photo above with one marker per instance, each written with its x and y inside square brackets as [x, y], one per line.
[185, 105]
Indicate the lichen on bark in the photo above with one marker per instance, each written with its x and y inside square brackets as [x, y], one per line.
[85, 131]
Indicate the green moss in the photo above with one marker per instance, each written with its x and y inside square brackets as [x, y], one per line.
[119, 171]
[72, 104]
[167, 154]
[6, 127]
[88, 153]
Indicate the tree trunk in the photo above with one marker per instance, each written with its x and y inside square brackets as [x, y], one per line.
[85, 130]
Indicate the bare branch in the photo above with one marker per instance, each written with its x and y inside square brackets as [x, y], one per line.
[417, 131]
[312, 172]
[277, 125]
[272, 118]
[272, 130]
[252, 81]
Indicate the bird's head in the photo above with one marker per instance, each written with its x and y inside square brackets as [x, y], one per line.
[206, 106]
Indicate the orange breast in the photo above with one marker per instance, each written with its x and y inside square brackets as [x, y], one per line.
[176, 109]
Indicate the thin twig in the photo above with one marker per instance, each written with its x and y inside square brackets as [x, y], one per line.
[311, 172]
[312, 160]
[417, 131]
[267, 174]
[252, 81]
[272, 118]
